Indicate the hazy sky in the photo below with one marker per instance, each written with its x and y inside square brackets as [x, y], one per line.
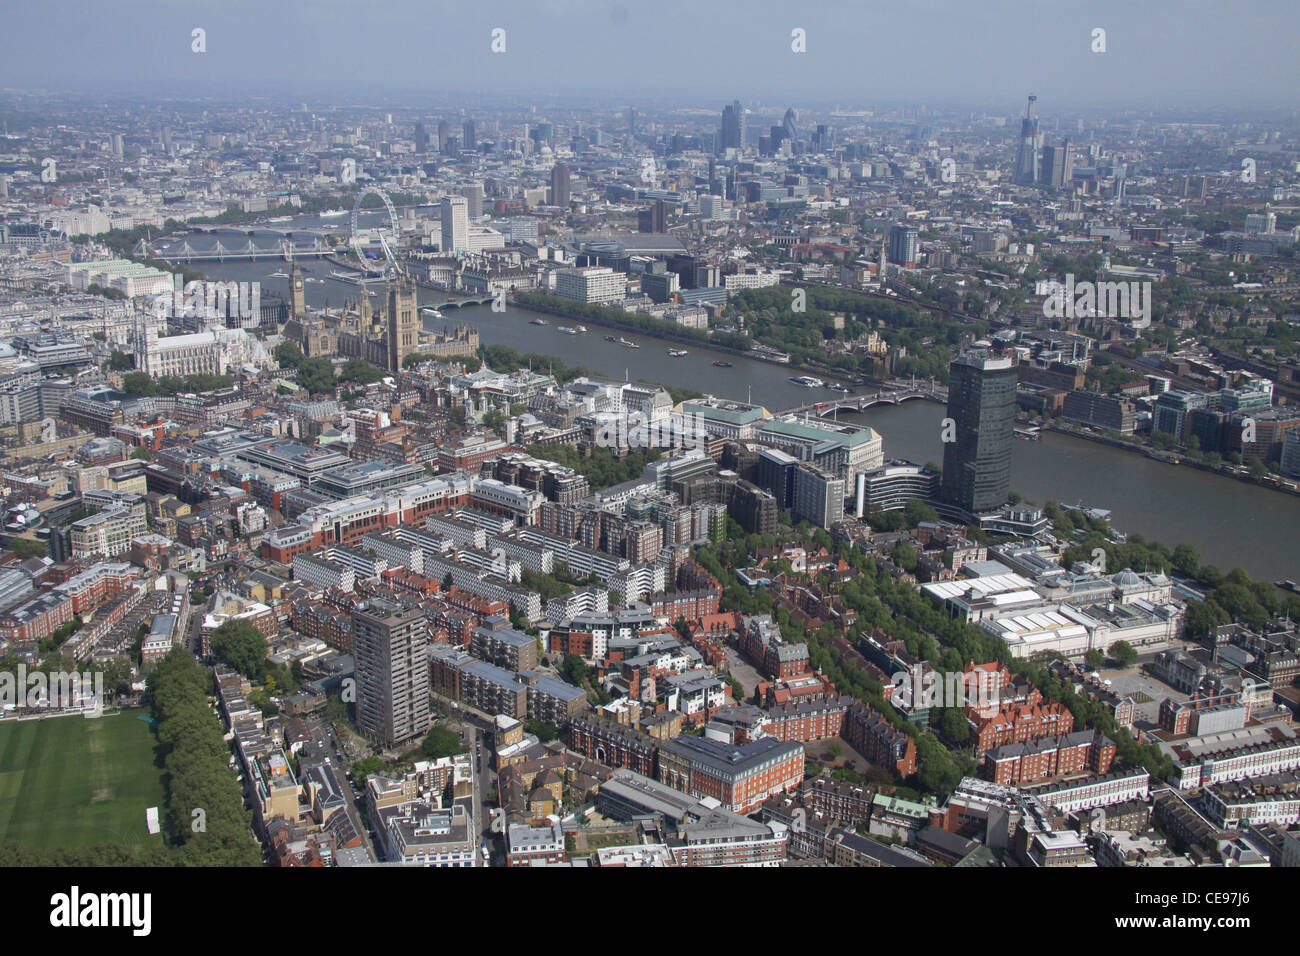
[1175, 53]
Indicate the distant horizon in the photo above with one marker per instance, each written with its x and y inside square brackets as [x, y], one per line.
[449, 102]
[1178, 57]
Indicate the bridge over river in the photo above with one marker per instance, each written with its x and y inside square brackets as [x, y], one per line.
[857, 403]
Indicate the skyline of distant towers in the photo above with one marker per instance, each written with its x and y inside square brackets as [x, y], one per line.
[1037, 164]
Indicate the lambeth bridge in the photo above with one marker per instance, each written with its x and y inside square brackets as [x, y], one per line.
[857, 403]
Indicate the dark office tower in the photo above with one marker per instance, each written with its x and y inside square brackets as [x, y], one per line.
[1057, 168]
[654, 219]
[823, 137]
[733, 126]
[1027, 155]
[904, 246]
[469, 139]
[421, 139]
[982, 404]
[560, 185]
[391, 651]
[444, 137]
[631, 120]
[787, 124]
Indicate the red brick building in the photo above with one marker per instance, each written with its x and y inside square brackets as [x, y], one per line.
[871, 734]
[740, 777]
[1036, 760]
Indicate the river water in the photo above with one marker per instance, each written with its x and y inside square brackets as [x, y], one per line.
[1231, 524]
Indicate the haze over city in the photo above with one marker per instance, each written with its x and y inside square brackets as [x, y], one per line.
[1167, 55]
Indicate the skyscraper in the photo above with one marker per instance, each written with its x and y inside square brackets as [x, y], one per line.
[904, 246]
[982, 405]
[733, 126]
[421, 138]
[455, 224]
[787, 124]
[560, 185]
[1026, 172]
[469, 135]
[1058, 165]
[444, 137]
[391, 650]
[473, 193]
[653, 219]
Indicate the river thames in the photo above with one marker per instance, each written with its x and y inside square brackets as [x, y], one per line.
[1229, 522]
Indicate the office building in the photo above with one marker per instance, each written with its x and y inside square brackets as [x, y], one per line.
[818, 496]
[890, 488]
[982, 406]
[455, 224]
[594, 284]
[560, 185]
[904, 246]
[733, 127]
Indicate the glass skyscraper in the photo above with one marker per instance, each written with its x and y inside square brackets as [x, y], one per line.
[982, 404]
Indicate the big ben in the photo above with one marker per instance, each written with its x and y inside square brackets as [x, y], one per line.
[298, 307]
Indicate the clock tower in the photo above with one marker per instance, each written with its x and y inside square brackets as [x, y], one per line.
[298, 302]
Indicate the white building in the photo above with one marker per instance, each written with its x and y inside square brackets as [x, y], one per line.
[455, 224]
[594, 284]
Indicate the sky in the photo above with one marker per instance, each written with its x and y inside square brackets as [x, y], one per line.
[1179, 54]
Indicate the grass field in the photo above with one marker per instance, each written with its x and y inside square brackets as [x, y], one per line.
[69, 781]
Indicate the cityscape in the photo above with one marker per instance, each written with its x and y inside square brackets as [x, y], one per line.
[647, 477]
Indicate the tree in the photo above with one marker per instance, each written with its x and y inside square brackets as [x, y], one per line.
[905, 557]
[542, 730]
[574, 669]
[1095, 659]
[241, 646]
[139, 383]
[316, 375]
[917, 511]
[25, 548]
[412, 359]
[360, 371]
[120, 361]
[954, 726]
[288, 355]
[1124, 653]
[440, 742]
[141, 453]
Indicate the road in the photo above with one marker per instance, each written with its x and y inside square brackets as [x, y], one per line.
[325, 746]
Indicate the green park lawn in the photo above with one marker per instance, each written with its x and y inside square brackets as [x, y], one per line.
[71, 782]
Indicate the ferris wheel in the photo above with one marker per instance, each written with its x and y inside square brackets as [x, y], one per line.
[387, 242]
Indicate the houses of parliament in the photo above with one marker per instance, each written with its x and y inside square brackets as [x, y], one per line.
[383, 338]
